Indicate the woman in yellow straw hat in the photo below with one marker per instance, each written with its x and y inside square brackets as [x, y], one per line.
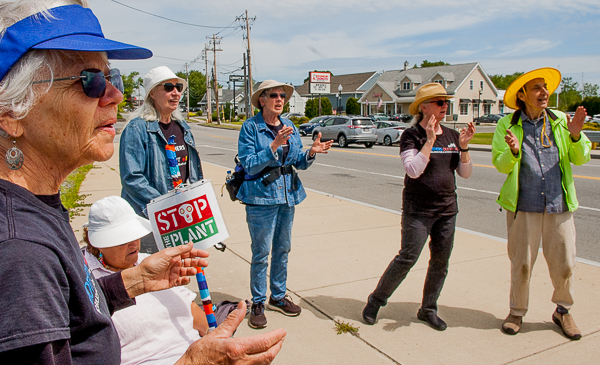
[535, 147]
[431, 153]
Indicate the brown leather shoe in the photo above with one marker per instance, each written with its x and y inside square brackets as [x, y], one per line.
[512, 324]
[566, 322]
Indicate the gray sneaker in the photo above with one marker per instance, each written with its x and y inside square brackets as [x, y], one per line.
[285, 306]
[257, 316]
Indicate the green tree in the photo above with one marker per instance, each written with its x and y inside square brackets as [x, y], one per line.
[503, 81]
[589, 90]
[196, 87]
[352, 106]
[591, 105]
[426, 63]
[569, 94]
[326, 108]
[130, 83]
[311, 109]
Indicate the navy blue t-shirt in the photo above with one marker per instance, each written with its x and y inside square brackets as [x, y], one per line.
[52, 310]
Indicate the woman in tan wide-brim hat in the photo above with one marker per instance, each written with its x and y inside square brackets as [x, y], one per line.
[431, 153]
[270, 150]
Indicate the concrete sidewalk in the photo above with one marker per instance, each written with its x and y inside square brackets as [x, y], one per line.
[339, 250]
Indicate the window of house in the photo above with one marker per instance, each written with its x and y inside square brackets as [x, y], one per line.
[441, 82]
[481, 85]
[464, 109]
[487, 108]
[471, 84]
[406, 86]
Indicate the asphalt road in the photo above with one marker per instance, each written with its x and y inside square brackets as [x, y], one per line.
[375, 176]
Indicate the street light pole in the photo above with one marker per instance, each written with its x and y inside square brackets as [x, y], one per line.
[340, 99]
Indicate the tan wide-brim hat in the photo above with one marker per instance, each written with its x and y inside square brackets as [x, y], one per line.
[426, 92]
[551, 75]
[160, 74]
[269, 84]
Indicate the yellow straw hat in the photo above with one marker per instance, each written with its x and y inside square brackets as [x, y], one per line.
[550, 75]
[426, 92]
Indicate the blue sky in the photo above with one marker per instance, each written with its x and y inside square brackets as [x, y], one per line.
[291, 37]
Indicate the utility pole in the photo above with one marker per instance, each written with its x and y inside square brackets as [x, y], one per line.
[248, 54]
[187, 80]
[216, 41]
[207, 79]
[246, 95]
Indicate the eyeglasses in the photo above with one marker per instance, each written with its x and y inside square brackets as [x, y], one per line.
[169, 86]
[275, 95]
[94, 81]
[440, 102]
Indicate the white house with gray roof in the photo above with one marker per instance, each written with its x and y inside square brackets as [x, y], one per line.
[473, 92]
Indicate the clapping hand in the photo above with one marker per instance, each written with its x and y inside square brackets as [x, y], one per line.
[575, 125]
[466, 135]
[512, 141]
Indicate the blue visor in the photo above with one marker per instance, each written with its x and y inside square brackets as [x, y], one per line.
[70, 28]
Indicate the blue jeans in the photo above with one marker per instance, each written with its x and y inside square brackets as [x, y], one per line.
[415, 230]
[270, 229]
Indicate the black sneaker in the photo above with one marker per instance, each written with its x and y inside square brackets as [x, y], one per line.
[285, 306]
[257, 316]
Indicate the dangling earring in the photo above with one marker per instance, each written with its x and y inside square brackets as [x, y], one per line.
[14, 157]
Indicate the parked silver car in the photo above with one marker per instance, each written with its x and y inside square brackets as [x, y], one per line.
[389, 132]
[346, 130]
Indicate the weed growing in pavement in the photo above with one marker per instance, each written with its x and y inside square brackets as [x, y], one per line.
[343, 327]
[69, 191]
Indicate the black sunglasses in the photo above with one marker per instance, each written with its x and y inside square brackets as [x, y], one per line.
[275, 95]
[94, 81]
[169, 86]
[440, 102]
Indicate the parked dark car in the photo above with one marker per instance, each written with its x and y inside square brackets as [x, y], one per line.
[389, 132]
[402, 117]
[346, 130]
[307, 128]
[488, 118]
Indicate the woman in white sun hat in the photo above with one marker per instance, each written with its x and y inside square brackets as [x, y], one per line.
[162, 325]
[143, 161]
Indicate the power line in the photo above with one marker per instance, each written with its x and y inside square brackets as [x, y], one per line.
[171, 20]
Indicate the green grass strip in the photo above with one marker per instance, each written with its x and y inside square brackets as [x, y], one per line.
[69, 191]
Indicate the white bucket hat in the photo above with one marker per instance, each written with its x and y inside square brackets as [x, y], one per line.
[112, 222]
[158, 75]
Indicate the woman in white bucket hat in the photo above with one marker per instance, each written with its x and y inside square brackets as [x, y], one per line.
[113, 243]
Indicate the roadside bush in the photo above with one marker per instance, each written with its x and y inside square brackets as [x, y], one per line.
[352, 106]
[592, 126]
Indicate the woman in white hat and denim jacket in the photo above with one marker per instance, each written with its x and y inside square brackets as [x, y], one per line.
[162, 325]
[269, 142]
[431, 153]
[142, 157]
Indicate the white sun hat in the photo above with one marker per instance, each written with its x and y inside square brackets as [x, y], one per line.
[159, 75]
[113, 222]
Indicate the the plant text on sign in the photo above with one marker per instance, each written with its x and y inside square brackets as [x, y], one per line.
[191, 220]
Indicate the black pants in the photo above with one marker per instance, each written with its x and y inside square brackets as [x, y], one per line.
[415, 230]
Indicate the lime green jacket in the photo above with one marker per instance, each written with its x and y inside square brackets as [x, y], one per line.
[569, 152]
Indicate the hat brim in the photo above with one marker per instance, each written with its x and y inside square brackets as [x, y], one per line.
[551, 75]
[288, 89]
[128, 231]
[413, 109]
[91, 43]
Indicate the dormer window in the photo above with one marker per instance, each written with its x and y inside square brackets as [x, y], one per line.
[406, 86]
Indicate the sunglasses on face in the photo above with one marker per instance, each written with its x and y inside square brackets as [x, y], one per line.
[439, 102]
[169, 86]
[275, 95]
[94, 81]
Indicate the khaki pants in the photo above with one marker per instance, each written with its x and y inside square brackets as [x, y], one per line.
[557, 233]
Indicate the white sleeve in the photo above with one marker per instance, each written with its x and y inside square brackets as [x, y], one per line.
[465, 169]
[414, 162]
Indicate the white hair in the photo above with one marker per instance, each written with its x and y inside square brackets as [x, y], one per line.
[17, 94]
[148, 111]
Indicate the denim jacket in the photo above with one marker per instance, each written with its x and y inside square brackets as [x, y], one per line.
[255, 154]
[143, 162]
